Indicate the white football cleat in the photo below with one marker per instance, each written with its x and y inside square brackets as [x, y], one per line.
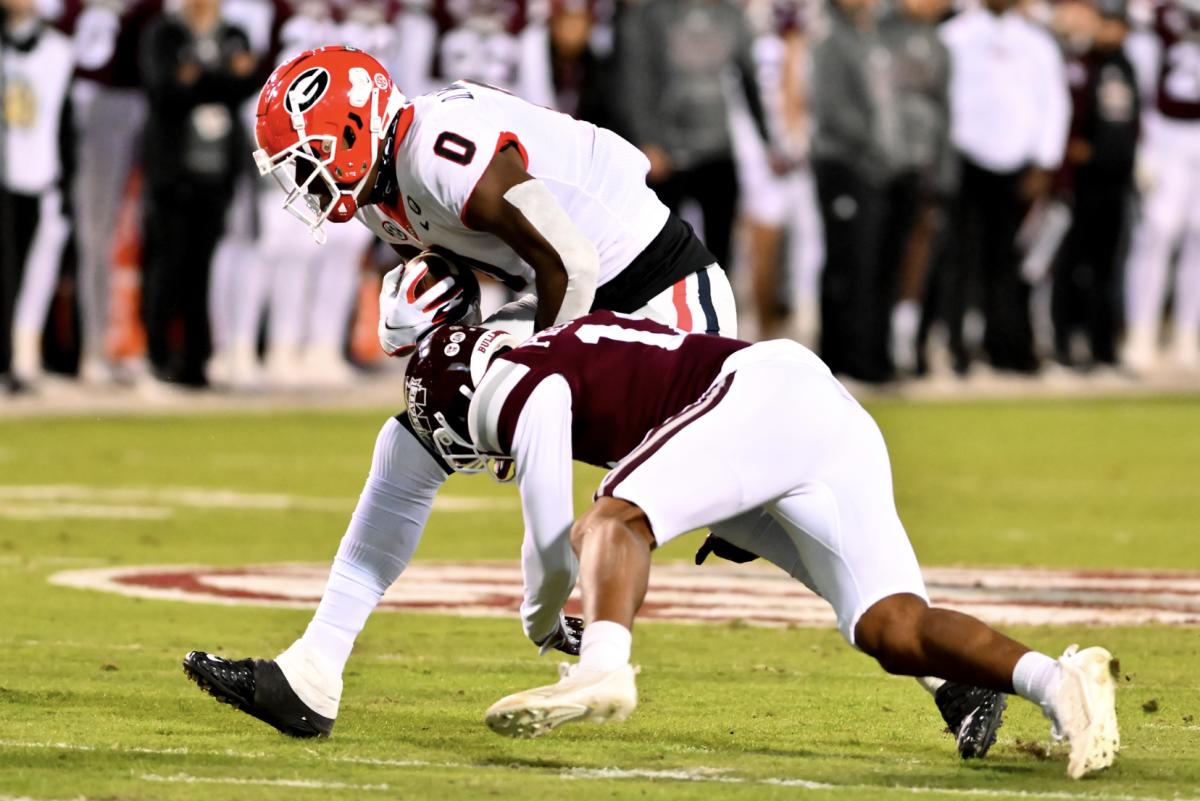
[1084, 709]
[599, 696]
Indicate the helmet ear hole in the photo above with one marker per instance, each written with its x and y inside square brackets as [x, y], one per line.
[348, 137]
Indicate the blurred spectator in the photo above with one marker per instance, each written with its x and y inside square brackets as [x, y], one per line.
[1010, 112]
[1098, 175]
[196, 69]
[855, 137]
[1171, 196]
[36, 62]
[314, 287]
[237, 286]
[923, 173]
[774, 199]
[109, 110]
[674, 56]
[504, 43]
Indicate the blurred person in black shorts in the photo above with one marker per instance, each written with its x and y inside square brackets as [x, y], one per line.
[197, 69]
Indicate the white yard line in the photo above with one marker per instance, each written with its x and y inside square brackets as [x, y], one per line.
[699, 775]
[307, 784]
[82, 511]
[80, 500]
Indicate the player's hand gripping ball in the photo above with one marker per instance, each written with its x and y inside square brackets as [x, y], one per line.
[428, 290]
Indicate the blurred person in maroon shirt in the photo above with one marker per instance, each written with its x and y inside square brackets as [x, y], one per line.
[1096, 180]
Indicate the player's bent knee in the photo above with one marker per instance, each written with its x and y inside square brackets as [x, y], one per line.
[608, 516]
[890, 631]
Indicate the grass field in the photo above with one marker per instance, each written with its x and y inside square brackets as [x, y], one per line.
[93, 703]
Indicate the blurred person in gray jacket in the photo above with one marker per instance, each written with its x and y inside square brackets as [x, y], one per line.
[675, 58]
[855, 139]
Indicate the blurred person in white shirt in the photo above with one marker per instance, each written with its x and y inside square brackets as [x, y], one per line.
[1010, 112]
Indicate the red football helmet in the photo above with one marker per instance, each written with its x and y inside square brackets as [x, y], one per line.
[439, 384]
[320, 122]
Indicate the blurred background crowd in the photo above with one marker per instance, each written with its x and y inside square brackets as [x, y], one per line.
[910, 187]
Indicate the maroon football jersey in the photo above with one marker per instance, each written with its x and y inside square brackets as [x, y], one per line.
[626, 375]
[1179, 68]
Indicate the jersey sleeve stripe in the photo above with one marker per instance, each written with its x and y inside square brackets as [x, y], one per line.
[483, 416]
[661, 435]
[711, 324]
[683, 315]
[506, 138]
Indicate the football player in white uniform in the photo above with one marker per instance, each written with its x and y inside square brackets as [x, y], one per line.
[517, 191]
[1170, 165]
[502, 43]
[806, 483]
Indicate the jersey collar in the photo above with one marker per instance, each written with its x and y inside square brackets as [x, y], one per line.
[386, 186]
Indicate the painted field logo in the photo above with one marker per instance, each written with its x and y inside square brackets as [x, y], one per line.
[686, 594]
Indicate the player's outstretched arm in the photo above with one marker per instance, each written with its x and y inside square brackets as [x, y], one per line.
[542, 453]
[516, 207]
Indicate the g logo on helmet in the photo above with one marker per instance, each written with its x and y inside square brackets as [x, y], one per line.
[304, 92]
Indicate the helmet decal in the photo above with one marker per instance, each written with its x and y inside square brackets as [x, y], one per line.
[360, 87]
[304, 92]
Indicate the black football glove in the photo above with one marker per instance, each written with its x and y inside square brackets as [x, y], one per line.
[726, 550]
[565, 638]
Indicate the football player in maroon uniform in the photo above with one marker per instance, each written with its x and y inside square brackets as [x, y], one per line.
[761, 444]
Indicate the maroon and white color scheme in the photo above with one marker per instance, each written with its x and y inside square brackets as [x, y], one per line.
[760, 443]
[655, 372]
[680, 593]
[443, 143]
[503, 43]
[1178, 85]
[1169, 168]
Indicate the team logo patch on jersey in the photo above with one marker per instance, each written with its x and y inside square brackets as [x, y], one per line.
[682, 593]
[304, 92]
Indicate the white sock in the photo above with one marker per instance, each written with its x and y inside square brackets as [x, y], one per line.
[931, 684]
[311, 679]
[350, 597]
[1036, 678]
[605, 646]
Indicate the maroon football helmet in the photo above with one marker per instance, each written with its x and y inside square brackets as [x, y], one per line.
[439, 384]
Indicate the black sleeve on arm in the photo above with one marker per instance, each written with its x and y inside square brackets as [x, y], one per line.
[159, 62]
[748, 73]
[66, 152]
[221, 85]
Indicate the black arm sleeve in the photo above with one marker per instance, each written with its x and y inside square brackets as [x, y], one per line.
[66, 152]
[747, 71]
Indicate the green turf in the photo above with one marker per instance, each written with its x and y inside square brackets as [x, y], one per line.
[93, 703]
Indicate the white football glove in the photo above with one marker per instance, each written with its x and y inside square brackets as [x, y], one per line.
[405, 316]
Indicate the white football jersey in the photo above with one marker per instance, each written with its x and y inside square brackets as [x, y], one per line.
[445, 141]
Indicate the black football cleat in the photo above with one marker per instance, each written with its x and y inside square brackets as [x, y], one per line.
[972, 715]
[258, 688]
